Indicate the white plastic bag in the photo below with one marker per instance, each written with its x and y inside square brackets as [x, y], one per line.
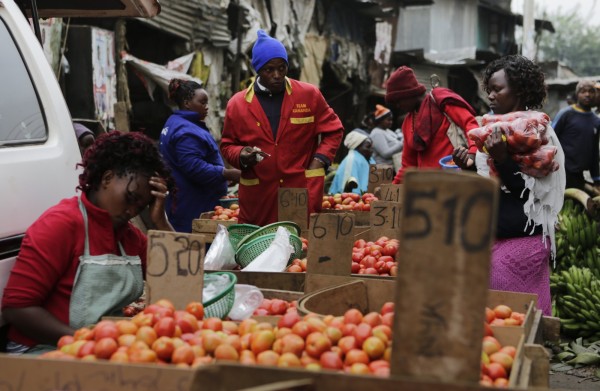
[247, 299]
[276, 256]
[214, 285]
[220, 255]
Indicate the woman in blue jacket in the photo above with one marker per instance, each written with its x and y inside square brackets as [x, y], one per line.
[193, 155]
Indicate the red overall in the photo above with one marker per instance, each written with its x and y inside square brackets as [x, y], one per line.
[306, 118]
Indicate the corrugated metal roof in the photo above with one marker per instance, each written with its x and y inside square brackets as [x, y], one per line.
[194, 20]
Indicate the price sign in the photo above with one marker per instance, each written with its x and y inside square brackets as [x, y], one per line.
[448, 227]
[331, 238]
[385, 218]
[380, 174]
[293, 206]
[175, 269]
[391, 192]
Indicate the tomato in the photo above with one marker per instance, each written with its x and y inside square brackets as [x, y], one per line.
[390, 249]
[360, 243]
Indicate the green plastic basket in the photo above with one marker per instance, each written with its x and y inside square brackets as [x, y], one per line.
[237, 232]
[253, 248]
[270, 229]
[220, 305]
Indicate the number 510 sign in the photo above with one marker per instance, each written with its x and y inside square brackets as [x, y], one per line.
[448, 227]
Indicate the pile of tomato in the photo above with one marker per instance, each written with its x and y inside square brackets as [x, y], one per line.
[377, 257]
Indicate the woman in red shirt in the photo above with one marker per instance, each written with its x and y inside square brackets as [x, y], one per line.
[83, 259]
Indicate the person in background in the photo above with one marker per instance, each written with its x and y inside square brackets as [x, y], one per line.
[281, 133]
[88, 236]
[597, 105]
[578, 128]
[528, 207]
[366, 125]
[386, 142]
[428, 119]
[85, 137]
[193, 155]
[352, 174]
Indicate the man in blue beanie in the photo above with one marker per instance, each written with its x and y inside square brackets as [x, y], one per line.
[281, 133]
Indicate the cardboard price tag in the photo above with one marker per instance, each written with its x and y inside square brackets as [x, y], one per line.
[175, 269]
[391, 192]
[293, 206]
[378, 175]
[448, 227]
[385, 218]
[331, 237]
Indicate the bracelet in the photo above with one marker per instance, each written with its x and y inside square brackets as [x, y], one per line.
[319, 160]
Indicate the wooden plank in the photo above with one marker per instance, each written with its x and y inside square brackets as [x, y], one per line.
[35, 374]
[535, 369]
[378, 291]
[550, 329]
[209, 226]
[219, 377]
[271, 280]
[292, 205]
[175, 269]
[448, 226]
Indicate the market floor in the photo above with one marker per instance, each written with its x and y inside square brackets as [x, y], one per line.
[576, 379]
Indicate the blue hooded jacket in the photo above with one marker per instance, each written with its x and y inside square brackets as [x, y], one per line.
[193, 155]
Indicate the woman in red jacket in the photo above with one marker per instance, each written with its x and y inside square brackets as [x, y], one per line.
[83, 259]
[428, 119]
[281, 133]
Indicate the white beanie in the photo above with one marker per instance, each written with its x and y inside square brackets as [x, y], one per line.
[354, 139]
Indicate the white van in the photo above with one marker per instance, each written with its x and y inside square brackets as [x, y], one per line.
[38, 148]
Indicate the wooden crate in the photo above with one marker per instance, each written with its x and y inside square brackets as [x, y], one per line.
[335, 295]
[206, 226]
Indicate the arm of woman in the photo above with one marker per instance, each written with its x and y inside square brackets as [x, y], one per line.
[381, 145]
[193, 154]
[41, 273]
[37, 323]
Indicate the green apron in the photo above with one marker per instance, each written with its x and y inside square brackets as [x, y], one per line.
[104, 284]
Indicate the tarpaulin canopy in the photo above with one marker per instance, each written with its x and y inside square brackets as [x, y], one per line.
[155, 74]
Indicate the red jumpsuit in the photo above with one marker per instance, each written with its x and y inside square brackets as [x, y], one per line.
[305, 115]
[440, 144]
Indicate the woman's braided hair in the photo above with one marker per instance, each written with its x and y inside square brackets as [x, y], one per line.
[123, 153]
[182, 90]
[524, 77]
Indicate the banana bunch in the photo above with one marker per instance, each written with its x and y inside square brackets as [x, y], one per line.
[575, 227]
[576, 293]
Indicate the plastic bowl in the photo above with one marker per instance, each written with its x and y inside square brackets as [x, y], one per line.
[444, 163]
[226, 202]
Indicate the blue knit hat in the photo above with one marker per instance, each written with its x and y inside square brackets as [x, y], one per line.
[265, 49]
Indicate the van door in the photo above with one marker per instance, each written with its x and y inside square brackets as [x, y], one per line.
[38, 147]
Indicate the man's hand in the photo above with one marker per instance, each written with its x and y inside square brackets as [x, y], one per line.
[462, 158]
[249, 157]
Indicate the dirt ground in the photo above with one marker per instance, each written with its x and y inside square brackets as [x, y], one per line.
[576, 379]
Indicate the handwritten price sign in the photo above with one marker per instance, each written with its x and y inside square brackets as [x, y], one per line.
[378, 175]
[331, 239]
[175, 269]
[293, 206]
[448, 227]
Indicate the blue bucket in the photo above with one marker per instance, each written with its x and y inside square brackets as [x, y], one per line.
[444, 163]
